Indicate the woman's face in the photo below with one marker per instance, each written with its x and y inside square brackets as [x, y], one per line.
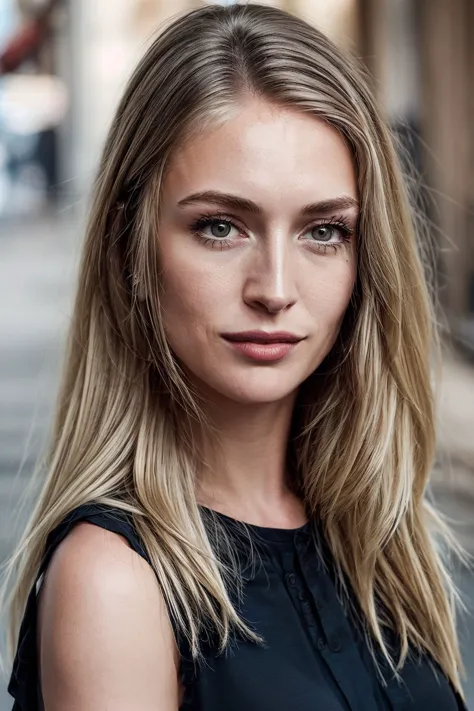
[241, 250]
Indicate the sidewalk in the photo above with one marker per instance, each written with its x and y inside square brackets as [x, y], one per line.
[456, 419]
[452, 480]
[456, 410]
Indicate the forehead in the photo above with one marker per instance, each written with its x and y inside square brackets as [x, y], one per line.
[268, 150]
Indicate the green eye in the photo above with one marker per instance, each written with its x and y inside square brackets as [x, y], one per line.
[323, 232]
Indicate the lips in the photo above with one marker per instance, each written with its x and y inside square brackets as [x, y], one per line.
[263, 352]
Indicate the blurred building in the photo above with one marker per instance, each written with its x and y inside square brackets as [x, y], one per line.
[421, 55]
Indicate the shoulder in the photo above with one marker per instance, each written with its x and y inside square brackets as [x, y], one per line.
[92, 559]
[103, 628]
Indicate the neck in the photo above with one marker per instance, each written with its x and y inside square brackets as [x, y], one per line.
[244, 469]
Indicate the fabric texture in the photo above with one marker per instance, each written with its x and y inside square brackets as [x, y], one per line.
[315, 657]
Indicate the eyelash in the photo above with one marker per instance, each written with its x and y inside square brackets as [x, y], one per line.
[204, 221]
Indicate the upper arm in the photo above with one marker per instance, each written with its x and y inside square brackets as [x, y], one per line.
[105, 639]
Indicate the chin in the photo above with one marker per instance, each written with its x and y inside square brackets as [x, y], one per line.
[258, 388]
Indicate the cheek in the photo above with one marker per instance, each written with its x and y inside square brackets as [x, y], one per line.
[190, 298]
[329, 294]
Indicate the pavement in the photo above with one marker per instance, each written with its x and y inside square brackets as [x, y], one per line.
[453, 476]
[38, 263]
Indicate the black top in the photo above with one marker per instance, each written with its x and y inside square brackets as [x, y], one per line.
[315, 657]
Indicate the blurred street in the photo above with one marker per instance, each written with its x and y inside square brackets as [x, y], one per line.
[36, 276]
[37, 273]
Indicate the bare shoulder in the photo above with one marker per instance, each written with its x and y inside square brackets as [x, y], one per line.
[104, 635]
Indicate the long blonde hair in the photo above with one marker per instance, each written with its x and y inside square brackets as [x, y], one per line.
[363, 435]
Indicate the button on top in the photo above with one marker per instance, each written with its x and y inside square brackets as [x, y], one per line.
[291, 577]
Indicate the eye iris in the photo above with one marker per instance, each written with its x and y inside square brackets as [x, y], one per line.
[323, 233]
[219, 229]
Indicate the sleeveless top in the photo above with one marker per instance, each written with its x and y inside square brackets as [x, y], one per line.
[315, 657]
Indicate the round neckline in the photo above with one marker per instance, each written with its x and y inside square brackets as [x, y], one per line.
[279, 535]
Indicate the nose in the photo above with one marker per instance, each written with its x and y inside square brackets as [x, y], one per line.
[270, 282]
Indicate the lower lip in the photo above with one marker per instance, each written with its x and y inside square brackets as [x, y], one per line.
[263, 351]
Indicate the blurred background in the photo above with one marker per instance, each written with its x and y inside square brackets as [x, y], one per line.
[63, 67]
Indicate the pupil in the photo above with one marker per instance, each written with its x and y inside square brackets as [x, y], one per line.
[219, 228]
[323, 233]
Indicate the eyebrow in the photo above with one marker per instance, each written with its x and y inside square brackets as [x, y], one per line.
[235, 202]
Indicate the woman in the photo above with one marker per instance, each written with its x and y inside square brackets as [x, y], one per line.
[234, 511]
